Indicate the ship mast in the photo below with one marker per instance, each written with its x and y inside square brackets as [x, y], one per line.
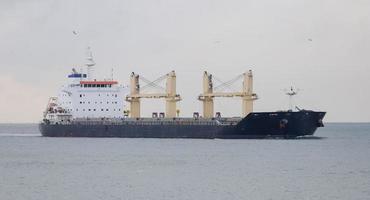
[90, 64]
[291, 92]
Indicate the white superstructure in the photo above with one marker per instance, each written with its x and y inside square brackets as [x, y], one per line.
[86, 97]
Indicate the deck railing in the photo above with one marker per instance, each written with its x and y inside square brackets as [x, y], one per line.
[150, 121]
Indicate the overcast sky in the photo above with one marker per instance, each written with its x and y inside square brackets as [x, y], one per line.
[319, 46]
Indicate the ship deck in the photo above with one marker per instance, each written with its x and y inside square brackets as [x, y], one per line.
[153, 121]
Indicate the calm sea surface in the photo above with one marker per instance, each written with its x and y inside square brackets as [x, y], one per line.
[335, 165]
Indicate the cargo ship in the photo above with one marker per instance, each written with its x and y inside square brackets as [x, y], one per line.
[87, 107]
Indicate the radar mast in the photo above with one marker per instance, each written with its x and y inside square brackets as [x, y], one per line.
[90, 64]
[291, 92]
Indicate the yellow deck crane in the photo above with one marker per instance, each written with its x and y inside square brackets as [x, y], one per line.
[246, 94]
[169, 93]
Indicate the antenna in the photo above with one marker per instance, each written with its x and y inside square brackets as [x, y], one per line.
[112, 74]
[291, 92]
[90, 64]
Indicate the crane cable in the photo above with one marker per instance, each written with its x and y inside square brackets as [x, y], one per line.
[153, 84]
[227, 84]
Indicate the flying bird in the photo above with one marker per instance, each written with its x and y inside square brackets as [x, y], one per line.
[74, 32]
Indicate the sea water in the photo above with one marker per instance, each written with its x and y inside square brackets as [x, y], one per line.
[333, 165]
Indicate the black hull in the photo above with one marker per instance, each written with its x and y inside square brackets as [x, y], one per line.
[255, 125]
